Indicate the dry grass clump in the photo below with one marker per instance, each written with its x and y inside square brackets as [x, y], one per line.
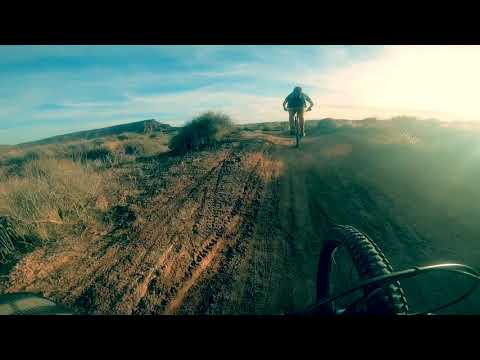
[58, 191]
[49, 199]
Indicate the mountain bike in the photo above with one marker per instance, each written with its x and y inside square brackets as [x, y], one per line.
[296, 123]
[377, 287]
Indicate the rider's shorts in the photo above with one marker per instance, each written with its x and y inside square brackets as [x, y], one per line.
[298, 110]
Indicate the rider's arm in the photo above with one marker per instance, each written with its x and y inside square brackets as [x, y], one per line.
[309, 100]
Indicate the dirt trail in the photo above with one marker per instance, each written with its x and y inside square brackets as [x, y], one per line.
[220, 236]
[236, 230]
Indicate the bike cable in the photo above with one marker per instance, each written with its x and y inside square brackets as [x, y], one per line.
[384, 280]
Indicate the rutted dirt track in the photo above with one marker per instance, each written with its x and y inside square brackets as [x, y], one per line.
[235, 230]
[211, 239]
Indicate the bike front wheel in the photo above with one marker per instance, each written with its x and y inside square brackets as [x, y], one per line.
[348, 257]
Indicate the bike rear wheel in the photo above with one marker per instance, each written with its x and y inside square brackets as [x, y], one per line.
[368, 262]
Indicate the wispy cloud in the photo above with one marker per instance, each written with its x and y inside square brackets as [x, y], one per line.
[47, 90]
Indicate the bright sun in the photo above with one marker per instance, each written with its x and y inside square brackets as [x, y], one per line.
[430, 81]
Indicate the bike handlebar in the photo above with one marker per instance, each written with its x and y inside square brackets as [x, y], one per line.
[383, 280]
[306, 109]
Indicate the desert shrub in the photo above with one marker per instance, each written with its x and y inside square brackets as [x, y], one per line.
[8, 239]
[51, 200]
[12, 244]
[405, 122]
[51, 196]
[152, 136]
[326, 126]
[121, 215]
[21, 160]
[108, 152]
[75, 152]
[156, 145]
[284, 126]
[15, 164]
[99, 153]
[122, 137]
[203, 131]
[133, 148]
[370, 120]
[404, 119]
[85, 151]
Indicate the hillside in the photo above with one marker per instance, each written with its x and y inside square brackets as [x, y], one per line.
[139, 127]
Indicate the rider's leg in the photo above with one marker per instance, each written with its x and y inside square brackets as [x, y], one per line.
[290, 120]
[301, 122]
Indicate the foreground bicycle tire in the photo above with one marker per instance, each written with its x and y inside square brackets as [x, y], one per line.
[369, 262]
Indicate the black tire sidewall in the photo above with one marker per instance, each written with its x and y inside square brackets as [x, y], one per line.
[369, 262]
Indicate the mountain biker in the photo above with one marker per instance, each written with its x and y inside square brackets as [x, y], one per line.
[296, 102]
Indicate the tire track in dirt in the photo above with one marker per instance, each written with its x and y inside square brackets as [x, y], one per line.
[284, 295]
[214, 230]
[224, 283]
[117, 274]
[235, 267]
[173, 234]
[190, 280]
[261, 284]
[218, 221]
[209, 241]
[224, 231]
[166, 295]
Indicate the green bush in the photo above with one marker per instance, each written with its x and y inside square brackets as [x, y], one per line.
[99, 153]
[75, 152]
[133, 148]
[85, 151]
[203, 131]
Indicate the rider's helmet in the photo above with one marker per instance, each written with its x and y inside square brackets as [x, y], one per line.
[297, 90]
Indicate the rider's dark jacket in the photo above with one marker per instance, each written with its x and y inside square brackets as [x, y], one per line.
[297, 101]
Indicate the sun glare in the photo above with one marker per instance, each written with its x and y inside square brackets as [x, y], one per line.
[429, 81]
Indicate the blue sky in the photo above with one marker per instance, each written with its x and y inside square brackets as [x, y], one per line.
[51, 90]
